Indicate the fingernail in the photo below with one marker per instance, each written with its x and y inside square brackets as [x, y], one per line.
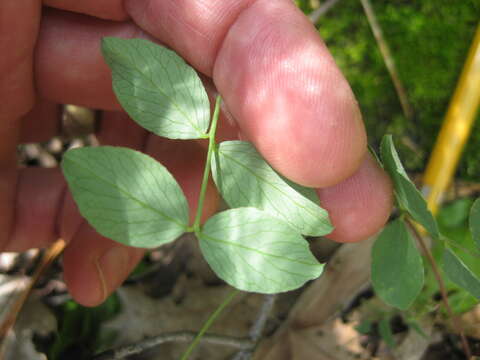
[112, 267]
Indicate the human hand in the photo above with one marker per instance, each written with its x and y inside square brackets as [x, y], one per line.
[277, 80]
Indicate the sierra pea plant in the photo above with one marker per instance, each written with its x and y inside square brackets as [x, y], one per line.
[397, 269]
[129, 197]
[258, 244]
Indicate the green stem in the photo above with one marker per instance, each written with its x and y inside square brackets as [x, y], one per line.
[208, 323]
[441, 285]
[206, 172]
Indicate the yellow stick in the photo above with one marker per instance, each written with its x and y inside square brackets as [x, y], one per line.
[455, 129]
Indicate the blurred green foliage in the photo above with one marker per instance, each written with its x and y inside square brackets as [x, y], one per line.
[453, 223]
[79, 336]
[429, 40]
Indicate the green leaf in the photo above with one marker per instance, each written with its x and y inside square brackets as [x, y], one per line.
[126, 196]
[157, 88]
[397, 267]
[408, 196]
[461, 301]
[254, 251]
[306, 192]
[475, 222]
[454, 214]
[246, 180]
[365, 327]
[375, 156]
[412, 323]
[460, 274]
[385, 332]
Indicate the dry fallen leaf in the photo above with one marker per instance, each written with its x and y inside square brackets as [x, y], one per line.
[144, 316]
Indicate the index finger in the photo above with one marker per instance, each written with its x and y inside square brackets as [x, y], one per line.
[276, 76]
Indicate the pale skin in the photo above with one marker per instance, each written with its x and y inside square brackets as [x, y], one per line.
[280, 85]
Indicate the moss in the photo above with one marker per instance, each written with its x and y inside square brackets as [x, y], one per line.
[429, 41]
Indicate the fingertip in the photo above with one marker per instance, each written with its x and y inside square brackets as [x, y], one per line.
[361, 205]
[288, 96]
[320, 154]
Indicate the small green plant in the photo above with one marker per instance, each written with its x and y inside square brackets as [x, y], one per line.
[258, 244]
[397, 269]
[397, 266]
[129, 197]
[79, 335]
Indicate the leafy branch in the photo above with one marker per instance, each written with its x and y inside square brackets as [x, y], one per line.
[133, 199]
[394, 257]
[258, 244]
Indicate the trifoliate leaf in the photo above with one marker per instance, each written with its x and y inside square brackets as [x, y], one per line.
[397, 267]
[408, 196]
[126, 196]
[254, 251]
[245, 179]
[157, 88]
[460, 274]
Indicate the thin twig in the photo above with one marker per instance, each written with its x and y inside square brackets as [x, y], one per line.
[257, 328]
[259, 325]
[47, 259]
[182, 336]
[321, 10]
[441, 285]
[243, 355]
[388, 58]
